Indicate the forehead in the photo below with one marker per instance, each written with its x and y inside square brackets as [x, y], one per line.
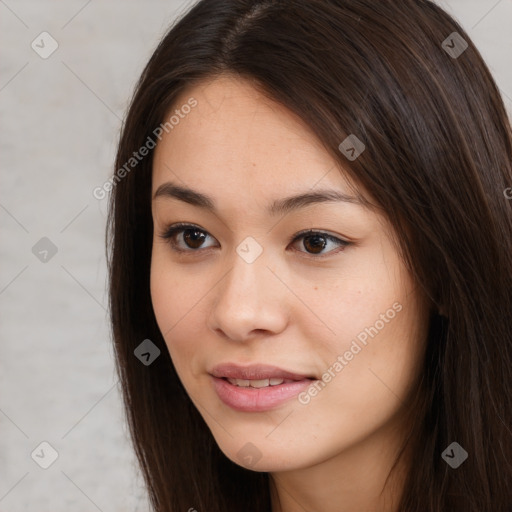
[235, 138]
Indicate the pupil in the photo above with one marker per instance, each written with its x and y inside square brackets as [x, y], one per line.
[316, 248]
[196, 239]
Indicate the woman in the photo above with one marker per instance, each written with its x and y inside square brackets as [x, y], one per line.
[310, 257]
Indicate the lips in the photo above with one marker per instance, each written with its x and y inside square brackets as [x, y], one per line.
[256, 372]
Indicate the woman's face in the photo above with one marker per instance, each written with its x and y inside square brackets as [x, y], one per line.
[235, 288]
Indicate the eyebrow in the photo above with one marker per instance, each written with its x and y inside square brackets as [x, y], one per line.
[279, 206]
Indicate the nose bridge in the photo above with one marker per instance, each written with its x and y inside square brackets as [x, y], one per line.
[243, 302]
[249, 269]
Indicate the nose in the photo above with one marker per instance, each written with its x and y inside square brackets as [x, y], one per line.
[249, 301]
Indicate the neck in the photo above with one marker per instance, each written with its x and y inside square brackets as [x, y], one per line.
[360, 479]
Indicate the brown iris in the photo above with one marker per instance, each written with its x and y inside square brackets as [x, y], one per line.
[318, 243]
[194, 238]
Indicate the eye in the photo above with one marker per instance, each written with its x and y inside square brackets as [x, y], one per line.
[316, 242]
[193, 237]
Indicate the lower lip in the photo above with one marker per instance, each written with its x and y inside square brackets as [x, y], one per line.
[249, 399]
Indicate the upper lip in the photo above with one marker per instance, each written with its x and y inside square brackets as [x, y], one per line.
[254, 372]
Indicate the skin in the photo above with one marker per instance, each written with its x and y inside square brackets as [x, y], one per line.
[286, 308]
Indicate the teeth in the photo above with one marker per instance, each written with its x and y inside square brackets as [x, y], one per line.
[263, 383]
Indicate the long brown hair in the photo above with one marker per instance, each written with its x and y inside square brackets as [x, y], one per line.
[437, 161]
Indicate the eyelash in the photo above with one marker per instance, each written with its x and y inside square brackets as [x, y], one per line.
[170, 233]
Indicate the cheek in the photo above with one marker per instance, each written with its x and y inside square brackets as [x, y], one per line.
[385, 366]
[172, 295]
[177, 305]
[161, 282]
[380, 325]
[370, 389]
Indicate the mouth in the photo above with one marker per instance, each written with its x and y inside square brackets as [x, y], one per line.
[257, 388]
[257, 375]
[260, 383]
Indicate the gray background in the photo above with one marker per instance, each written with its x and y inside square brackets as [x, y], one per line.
[60, 124]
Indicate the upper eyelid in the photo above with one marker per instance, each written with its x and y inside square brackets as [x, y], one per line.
[179, 227]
